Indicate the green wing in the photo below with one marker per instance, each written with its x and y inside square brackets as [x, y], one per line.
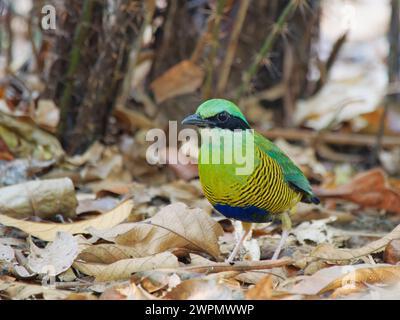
[292, 174]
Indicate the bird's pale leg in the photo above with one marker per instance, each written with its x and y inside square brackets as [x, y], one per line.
[286, 226]
[247, 229]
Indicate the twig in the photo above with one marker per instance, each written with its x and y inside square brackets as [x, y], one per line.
[75, 284]
[266, 47]
[201, 43]
[207, 92]
[351, 139]
[240, 266]
[324, 70]
[231, 50]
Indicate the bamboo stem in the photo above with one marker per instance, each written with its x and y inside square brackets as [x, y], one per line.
[231, 50]
[207, 92]
[266, 47]
[75, 55]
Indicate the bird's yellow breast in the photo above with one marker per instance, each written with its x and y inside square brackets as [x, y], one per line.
[264, 187]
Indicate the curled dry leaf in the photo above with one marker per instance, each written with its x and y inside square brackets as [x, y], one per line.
[331, 278]
[25, 139]
[123, 269]
[174, 226]
[153, 281]
[200, 289]
[44, 199]
[329, 253]
[383, 274]
[368, 189]
[56, 257]
[184, 77]
[48, 231]
[93, 154]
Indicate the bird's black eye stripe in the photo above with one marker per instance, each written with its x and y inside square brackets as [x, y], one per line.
[224, 120]
[223, 116]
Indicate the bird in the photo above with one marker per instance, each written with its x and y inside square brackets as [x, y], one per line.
[271, 187]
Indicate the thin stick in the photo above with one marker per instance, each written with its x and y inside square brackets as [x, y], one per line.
[240, 266]
[266, 47]
[207, 92]
[231, 50]
[337, 138]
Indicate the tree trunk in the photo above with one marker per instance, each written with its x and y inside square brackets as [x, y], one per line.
[92, 46]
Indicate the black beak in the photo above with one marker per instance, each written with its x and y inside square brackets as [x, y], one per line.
[196, 120]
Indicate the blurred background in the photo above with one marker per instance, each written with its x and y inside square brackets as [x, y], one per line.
[321, 78]
[83, 81]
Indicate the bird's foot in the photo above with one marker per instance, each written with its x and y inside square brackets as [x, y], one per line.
[282, 242]
[230, 261]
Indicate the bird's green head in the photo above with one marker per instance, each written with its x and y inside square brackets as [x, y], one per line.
[218, 113]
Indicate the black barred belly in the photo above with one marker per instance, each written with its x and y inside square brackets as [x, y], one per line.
[245, 214]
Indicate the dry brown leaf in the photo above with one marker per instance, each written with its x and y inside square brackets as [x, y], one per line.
[123, 269]
[44, 199]
[311, 285]
[21, 290]
[368, 189]
[200, 289]
[110, 164]
[386, 274]
[184, 77]
[48, 231]
[35, 141]
[369, 292]
[93, 154]
[392, 252]
[153, 281]
[262, 290]
[328, 252]
[126, 291]
[47, 115]
[111, 233]
[107, 253]
[56, 257]
[331, 278]
[174, 226]
[81, 296]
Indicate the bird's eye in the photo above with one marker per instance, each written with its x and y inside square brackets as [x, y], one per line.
[223, 116]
